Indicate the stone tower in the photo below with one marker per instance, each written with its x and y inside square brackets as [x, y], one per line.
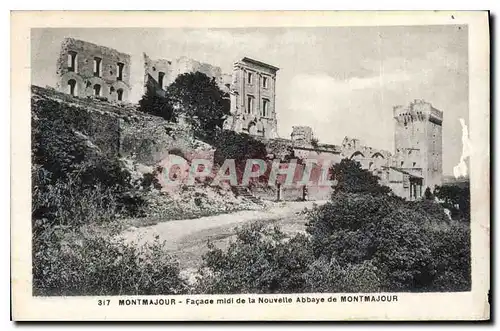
[253, 99]
[419, 142]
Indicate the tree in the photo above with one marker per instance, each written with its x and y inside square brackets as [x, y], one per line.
[428, 194]
[237, 146]
[153, 104]
[352, 178]
[456, 198]
[199, 99]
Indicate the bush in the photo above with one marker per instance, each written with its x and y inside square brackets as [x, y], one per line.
[155, 105]
[350, 218]
[456, 198]
[451, 251]
[351, 178]
[239, 147]
[412, 245]
[331, 276]
[404, 252]
[260, 261]
[82, 264]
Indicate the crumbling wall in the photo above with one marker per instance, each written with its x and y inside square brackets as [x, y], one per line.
[149, 140]
[121, 131]
[83, 70]
[171, 69]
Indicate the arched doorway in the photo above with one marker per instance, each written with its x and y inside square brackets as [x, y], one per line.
[119, 94]
[72, 87]
[97, 90]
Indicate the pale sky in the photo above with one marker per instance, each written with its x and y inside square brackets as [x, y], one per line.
[341, 81]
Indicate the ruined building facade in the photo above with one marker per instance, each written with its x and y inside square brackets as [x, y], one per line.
[160, 73]
[89, 70]
[253, 99]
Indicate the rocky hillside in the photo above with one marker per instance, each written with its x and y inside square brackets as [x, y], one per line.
[96, 143]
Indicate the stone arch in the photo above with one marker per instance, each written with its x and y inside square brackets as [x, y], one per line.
[117, 86]
[97, 90]
[72, 87]
[357, 155]
[64, 80]
[377, 155]
[91, 84]
[119, 94]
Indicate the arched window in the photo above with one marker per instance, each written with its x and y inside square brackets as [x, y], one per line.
[72, 87]
[97, 90]
[119, 93]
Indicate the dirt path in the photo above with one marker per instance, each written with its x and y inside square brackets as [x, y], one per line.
[187, 239]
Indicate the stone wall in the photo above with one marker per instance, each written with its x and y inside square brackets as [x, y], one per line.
[171, 69]
[302, 133]
[79, 70]
[149, 141]
[122, 131]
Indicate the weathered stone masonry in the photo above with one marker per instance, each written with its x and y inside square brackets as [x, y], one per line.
[253, 99]
[89, 70]
[160, 73]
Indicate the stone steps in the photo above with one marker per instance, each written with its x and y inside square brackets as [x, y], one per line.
[245, 192]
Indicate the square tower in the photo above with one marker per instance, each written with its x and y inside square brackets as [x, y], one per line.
[419, 141]
[253, 98]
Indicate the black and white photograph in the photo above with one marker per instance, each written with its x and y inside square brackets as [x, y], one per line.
[169, 164]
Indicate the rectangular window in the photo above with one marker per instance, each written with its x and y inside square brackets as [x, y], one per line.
[119, 70]
[72, 61]
[265, 107]
[250, 78]
[97, 66]
[160, 78]
[250, 104]
[264, 82]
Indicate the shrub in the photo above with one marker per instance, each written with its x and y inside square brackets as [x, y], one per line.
[456, 198]
[82, 264]
[411, 245]
[239, 147]
[347, 216]
[451, 251]
[351, 178]
[331, 276]
[155, 105]
[259, 261]
[403, 252]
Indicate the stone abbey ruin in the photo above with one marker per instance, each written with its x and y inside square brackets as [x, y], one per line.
[89, 71]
